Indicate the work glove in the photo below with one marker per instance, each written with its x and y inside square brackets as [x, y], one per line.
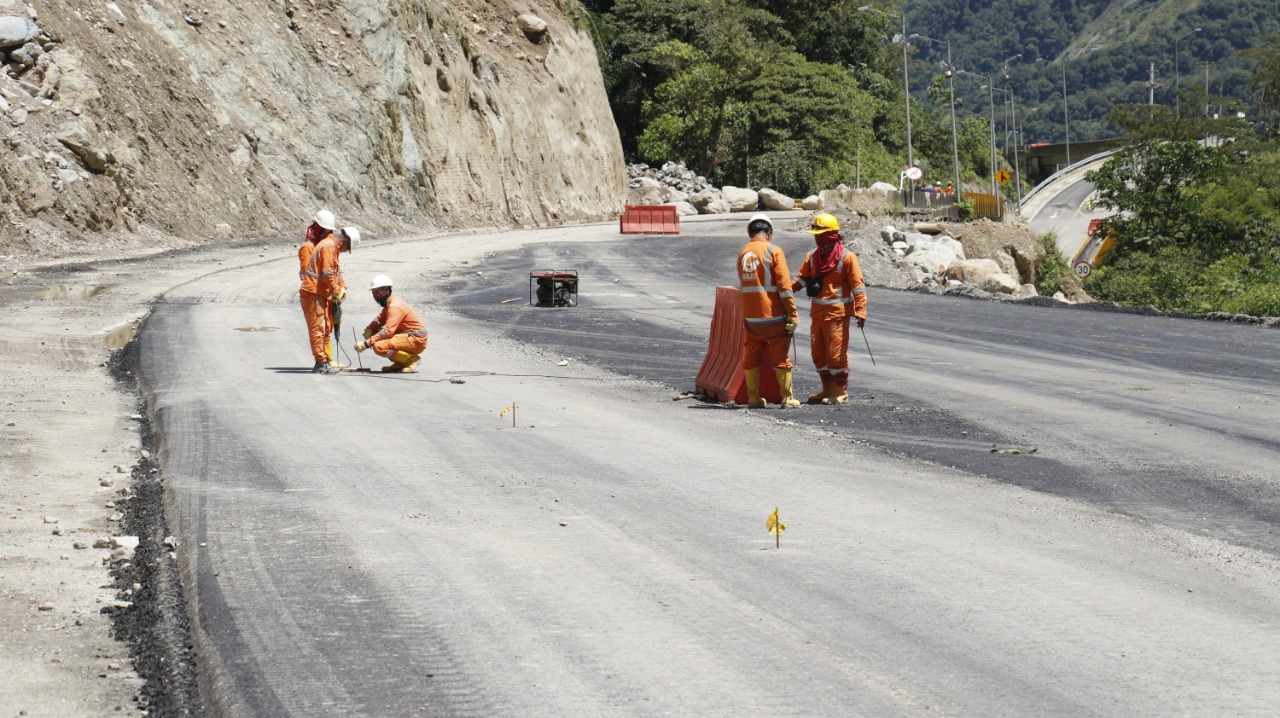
[861, 321]
[340, 295]
[368, 333]
[791, 328]
[361, 346]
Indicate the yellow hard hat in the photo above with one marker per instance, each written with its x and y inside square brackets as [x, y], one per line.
[824, 223]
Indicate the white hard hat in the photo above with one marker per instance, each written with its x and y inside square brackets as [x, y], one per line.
[379, 281]
[352, 234]
[760, 216]
[325, 219]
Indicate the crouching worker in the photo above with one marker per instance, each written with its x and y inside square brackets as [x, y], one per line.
[398, 332]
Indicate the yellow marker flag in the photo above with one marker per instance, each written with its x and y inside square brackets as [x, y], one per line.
[507, 410]
[773, 525]
[775, 528]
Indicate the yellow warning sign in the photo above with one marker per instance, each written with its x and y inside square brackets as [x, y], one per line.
[1003, 175]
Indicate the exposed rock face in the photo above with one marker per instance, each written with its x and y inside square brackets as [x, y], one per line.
[394, 114]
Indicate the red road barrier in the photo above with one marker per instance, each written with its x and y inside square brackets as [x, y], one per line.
[649, 219]
[721, 375]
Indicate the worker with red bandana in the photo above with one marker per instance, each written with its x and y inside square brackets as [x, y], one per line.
[832, 279]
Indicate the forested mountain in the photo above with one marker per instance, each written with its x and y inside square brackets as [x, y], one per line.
[803, 94]
[1109, 49]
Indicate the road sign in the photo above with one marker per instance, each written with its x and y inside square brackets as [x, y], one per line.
[1083, 269]
[914, 173]
[1003, 175]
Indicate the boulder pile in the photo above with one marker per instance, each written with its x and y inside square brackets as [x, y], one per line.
[24, 49]
[939, 259]
[690, 193]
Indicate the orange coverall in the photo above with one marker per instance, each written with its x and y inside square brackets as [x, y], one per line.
[321, 279]
[397, 327]
[843, 295]
[766, 306]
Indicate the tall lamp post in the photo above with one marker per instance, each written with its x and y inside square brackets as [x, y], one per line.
[991, 102]
[1177, 86]
[1066, 120]
[1013, 110]
[906, 85]
[951, 88]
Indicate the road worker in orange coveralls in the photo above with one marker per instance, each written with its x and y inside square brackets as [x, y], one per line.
[323, 288]
[397, 333]
[832, 279]
[769, 311]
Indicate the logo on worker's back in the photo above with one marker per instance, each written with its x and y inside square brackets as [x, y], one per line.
[750, 263]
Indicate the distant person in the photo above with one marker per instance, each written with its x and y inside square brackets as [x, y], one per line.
[397, 333]
[950, 190]
[832, 279]
[769, 312]
[322, 285]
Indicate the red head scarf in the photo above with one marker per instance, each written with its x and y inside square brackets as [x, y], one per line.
[829, 252]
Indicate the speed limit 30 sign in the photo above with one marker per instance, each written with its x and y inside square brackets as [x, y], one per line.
[1083, 269]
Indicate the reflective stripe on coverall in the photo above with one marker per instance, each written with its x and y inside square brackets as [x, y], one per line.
[321, 278]
[315, 308]
[766, 308]
[843, 296]
[397, 327]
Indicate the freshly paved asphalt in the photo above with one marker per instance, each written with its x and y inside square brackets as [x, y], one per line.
[365, 544]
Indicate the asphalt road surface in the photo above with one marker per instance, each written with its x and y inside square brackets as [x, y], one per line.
[370, 544]
[1063, 210]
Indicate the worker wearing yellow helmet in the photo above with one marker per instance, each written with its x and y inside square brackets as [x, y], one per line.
[832, 279]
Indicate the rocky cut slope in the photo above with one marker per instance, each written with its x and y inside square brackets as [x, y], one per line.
[146, 122]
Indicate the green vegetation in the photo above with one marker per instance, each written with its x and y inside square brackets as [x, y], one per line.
[1109, 60]
[798, 95]
[801, 95]
[1052, 272]
[1198, 221]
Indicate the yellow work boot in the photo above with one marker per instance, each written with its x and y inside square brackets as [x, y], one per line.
[411, 366]
[821, 396]
[753, 389]
[838, 394]
[328, 351]
[784, 388]
[402, 361]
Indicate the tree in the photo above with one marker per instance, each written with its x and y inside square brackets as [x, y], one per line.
[1160, 189]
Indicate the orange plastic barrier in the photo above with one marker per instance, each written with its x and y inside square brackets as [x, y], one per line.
[721, 375]
[649, 219]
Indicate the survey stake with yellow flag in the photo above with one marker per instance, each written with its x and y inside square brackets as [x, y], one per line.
[775, 528]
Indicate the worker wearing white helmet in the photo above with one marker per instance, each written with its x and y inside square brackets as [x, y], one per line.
[322, 288]
[769, 312]
[398, 332]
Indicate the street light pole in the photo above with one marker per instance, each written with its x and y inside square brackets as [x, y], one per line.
[951, 88]
[991, 103]
[906, 84]
[1013, 110]
[1066, 119]
[1177, 86]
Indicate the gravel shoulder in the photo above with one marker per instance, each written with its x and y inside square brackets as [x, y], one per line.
[71, 448]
